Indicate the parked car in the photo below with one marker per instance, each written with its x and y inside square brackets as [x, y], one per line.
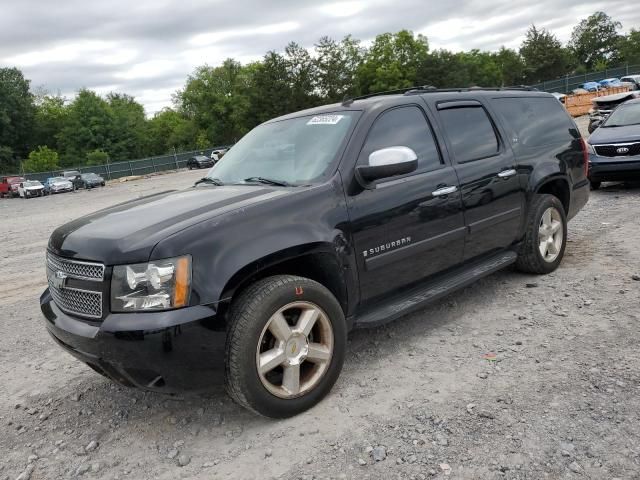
[74, 177]
[30, 188]
[632, 81]
[200, 161]
[57, 185]
[603, 106]
[91, 180]
[9, 186]
[338, 217]
[218, 154]
[610, 82]
[591, 86]
[614, 148]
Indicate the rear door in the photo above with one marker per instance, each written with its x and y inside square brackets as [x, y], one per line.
[492, 194]
[406, 228]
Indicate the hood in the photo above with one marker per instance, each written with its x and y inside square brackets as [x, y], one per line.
[62, 183]
[127, 233]
[628, 134]
[34, 187]
[615, 98]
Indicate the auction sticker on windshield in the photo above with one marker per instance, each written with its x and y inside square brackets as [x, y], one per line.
[325, 120]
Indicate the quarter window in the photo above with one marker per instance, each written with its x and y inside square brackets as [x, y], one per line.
[406, 127]
[470, 132]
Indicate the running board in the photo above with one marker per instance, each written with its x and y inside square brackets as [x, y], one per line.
[415, 298]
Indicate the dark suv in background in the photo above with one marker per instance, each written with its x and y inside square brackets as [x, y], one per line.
[343, 216]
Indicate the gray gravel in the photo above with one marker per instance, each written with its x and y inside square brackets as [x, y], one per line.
[560, 398]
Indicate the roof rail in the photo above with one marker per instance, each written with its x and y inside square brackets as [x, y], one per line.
[419, 90]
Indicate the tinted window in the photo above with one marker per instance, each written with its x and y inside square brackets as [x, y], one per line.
[470, 132]
[535, 121]
[405, 127]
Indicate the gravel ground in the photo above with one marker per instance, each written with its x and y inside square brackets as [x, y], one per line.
[515, 377]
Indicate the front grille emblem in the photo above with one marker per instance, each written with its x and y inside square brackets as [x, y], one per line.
[59, 280]
[623, 150]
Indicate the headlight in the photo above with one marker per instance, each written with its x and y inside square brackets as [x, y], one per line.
[157, 285]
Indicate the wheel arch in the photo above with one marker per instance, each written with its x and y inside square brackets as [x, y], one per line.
[316, 261]
[558, 186]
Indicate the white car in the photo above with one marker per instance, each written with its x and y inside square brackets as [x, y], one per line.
[31, 188]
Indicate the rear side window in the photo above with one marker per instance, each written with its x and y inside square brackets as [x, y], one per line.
[405, 127]
[470, 132]
[535, 121]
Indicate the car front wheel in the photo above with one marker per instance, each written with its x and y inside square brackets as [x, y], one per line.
[285, 347]
[545, 238]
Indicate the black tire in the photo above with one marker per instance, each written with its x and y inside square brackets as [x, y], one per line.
[247, 318]
[595, 184]
[530, 260]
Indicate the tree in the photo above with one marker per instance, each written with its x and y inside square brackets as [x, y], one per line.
[543, 55]
[336, 66]
[511, 66]
[43, 159]
[596, 39]
[50, 117]
[89, 127]
[127, 138]
[392, 62]
[97, 157]
[16, 111]
[212, 98]
[270, 93]
[169, 129]
[629, 47]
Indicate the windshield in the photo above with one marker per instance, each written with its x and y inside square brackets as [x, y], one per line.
[59, 179]
[624, 115]
[296, 151]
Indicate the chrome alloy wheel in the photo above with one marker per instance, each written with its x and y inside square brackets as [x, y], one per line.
[550, 234]
[294, 350]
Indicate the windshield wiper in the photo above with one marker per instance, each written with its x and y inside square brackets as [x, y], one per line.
[212, 181]
[268, 181]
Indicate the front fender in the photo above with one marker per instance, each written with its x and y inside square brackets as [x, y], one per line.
[308, 221]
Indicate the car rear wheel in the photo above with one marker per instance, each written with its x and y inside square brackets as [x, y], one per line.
[285, 346]
[595, 184]
[545, 237]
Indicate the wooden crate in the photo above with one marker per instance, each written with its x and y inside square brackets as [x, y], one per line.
[580, 104]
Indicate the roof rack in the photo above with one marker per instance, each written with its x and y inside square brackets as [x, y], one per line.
[431, 89]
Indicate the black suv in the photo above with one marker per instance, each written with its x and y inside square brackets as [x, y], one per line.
[318, 222]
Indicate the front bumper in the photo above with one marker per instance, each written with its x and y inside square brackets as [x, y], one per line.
[171, 352]
[614, 168]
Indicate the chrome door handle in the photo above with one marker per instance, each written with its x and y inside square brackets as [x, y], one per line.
[444, 191]
[507, 173]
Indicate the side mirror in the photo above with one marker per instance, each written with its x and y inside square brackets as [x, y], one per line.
[385, 163]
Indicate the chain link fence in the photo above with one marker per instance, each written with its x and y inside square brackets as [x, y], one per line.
[570, 82]
[143, 166]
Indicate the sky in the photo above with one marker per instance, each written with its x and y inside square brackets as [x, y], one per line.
[147, 48]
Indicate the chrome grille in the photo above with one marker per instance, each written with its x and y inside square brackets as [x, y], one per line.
[75, 268]
[85, 303]
[74, 298]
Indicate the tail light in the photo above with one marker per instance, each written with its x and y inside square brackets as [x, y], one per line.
[585, 155]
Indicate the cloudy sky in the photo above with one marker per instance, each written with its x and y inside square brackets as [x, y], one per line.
[147, 47]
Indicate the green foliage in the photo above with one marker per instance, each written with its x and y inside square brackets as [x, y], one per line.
[336, 67]
[43, 159]
[127, 138]
[89, 126]
[51, 114]
[629, 47]
[392, 62]
[97, 157]
[16, 111]
[595, 40]
[543, 55]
